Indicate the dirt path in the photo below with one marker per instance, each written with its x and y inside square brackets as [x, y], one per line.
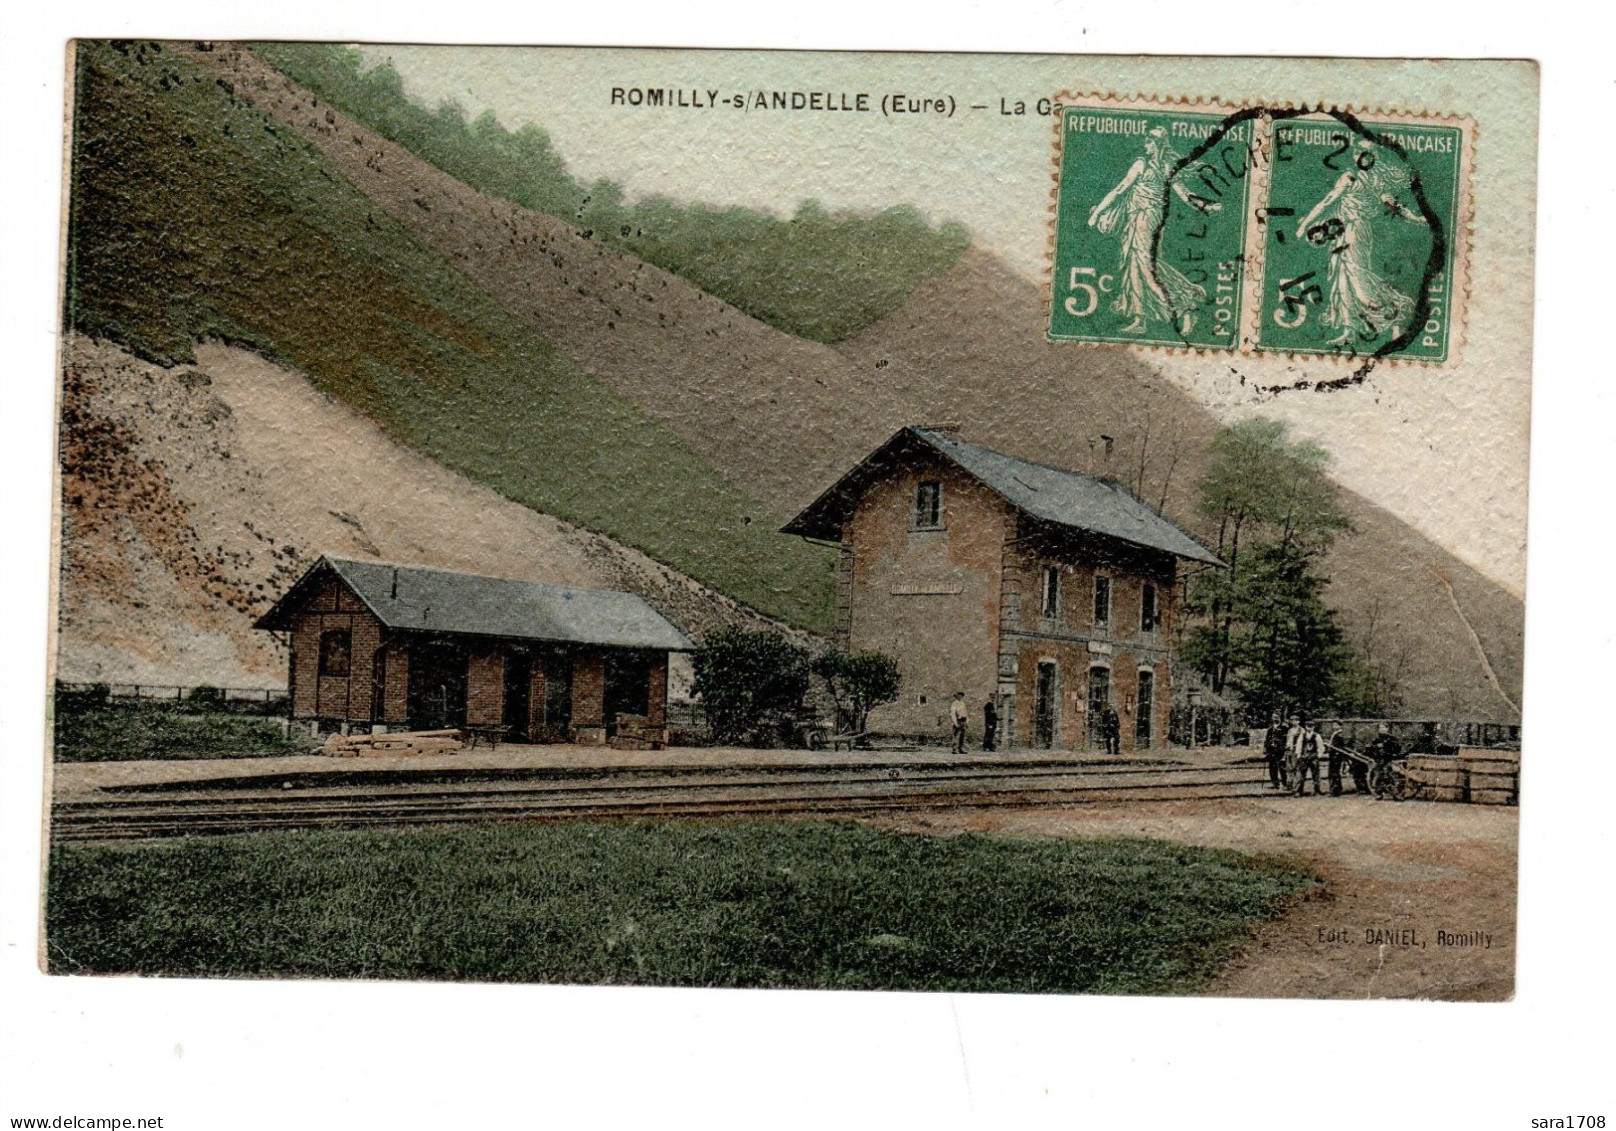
[1418, 900]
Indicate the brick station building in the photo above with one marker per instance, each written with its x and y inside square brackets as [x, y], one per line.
[375, 644]
[1051, 592]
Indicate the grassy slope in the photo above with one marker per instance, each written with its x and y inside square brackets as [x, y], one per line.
[715, 905]
[194, 216]
[818, 275]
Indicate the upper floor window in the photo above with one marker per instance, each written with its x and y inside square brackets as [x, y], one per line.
[1149, 611]
[336, 651]
[1102, 601]
[929, 506]
[1051, 605]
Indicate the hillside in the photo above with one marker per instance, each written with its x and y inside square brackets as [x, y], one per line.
[816, 274]
[779, 418]
[786, 416]
[195, 216]
[1053, 404]
[194, 495]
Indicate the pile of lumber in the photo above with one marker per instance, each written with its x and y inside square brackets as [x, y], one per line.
[404, 743]
[1476, 774]
[635, 732]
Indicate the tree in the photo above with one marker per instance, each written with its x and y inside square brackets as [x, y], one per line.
[1371, 682]
[1266, 629]
[858, 682]
[748, 681]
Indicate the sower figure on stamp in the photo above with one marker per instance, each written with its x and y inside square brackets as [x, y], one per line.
[990, 725]
[1148, 289]
[1309, 746]
[1111, 730]
[1274, 751]
[1361, 300]
[959, 714]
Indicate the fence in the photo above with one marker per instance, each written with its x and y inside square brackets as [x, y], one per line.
[254, 700]
[1427, 736]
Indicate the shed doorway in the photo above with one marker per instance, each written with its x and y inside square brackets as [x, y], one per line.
[557, 722]
[437, 688]
[518, 696]
[627, 687]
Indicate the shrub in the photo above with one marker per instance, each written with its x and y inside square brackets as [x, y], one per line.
[858, 682]
[749, 683]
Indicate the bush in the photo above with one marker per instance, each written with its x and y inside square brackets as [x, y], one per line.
[750, 684]
[858, 682]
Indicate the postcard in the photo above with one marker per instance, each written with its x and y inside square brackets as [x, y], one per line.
[769, 519]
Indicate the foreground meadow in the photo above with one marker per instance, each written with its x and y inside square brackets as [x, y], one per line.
[789, 904]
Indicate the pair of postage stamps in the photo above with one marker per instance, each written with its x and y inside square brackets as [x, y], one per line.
[1288, 230]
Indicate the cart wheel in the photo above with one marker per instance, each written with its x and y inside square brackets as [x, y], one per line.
[1401, 787]
[816, 740]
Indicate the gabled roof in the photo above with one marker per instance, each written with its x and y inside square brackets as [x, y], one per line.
[1065, 498]
[415, 598]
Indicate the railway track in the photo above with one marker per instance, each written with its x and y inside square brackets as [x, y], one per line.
[243, 805]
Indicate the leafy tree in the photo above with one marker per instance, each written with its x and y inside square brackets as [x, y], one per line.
[1266, 629]
[858, 682]
[748, 681]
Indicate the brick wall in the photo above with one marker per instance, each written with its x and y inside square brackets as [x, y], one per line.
[930, 598]
[349, 698]
[588, 690]
[485, 686]
[658, 709]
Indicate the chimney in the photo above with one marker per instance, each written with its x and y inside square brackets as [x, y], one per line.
[395, 583]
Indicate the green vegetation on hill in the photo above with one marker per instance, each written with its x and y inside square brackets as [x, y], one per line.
[194, 216]
[819, 275]
[776, 904]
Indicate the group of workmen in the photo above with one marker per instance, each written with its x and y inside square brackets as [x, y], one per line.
[1295, 750]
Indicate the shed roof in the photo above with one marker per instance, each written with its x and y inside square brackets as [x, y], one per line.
[1065, 498]
[416, 598]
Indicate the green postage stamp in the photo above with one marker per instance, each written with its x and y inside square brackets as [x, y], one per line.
[1288, 230]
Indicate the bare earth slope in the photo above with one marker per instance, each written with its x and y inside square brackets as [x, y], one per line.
[193, 496]
[785, 416]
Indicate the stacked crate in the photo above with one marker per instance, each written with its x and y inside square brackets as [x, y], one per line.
[1477, 774]
[635, 732]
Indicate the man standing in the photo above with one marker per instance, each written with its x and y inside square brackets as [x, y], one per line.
[1112, 726]
[1337, 754]
[1382, 752]
[1307, 758]
[959, 714]
[990, 726]
[1274, 751]
[1293, 750]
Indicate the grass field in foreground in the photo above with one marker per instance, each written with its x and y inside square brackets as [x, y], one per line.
[697, 904]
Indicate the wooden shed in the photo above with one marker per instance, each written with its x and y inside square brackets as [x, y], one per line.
[378, 645]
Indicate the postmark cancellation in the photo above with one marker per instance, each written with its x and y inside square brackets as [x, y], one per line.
[1256, 229]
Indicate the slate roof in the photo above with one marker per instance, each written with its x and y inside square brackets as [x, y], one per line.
[419, 599]
[1065, 498]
